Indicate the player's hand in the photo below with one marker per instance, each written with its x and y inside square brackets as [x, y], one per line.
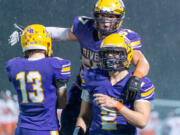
[133, 87]
[14, 37]
[104, 101]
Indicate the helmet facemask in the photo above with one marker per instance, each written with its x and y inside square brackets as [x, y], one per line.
[107, 23]
[113, 59]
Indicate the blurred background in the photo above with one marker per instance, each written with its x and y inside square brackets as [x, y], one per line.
[157, 22]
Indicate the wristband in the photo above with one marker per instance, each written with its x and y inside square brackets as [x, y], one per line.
[119, 106]
[138, 74]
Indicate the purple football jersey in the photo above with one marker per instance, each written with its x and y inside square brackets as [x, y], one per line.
[34, 81]
[106, 120]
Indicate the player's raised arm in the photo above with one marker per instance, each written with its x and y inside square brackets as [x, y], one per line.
[57, 34]
[61, 34]
[141, 63]
[138, 60]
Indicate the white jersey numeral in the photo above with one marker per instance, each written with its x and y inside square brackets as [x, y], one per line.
[107, 119]
[33, 77]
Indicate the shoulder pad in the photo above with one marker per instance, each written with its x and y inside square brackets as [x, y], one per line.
[133, 37]
[81, 22]
[83, 19]
[61, 68]
[57, 62]
[14, 60]
[9, 65]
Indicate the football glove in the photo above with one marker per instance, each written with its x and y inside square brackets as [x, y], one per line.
[78, 131]
[133, 87]
[14, 37]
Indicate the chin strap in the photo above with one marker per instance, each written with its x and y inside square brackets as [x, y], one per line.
[15, 36]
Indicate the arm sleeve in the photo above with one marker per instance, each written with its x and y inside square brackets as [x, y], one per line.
[58, 34]
[8, 71]
[76, 26]
[61, 69]
[147, 90]
[81, 25]
[60, 83]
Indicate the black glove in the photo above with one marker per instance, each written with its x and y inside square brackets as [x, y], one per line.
[78, 131]
[133, 87]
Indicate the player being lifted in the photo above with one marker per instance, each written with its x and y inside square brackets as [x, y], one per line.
[89, 32]
[104, 107]
[39, 81]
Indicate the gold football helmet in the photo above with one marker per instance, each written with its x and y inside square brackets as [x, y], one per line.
[118, 46]
[35, 37]
[105, 8]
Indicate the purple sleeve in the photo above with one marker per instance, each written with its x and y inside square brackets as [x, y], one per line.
[81, 25]
[62, 69]
[11, 64]
[147, 90]
[76, 26]
[8, 71]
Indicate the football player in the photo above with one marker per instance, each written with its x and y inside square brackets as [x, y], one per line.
[103, 106]
[40, 82]
[89, 32]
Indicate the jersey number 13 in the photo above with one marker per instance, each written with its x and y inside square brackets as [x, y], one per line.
[33, 77]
